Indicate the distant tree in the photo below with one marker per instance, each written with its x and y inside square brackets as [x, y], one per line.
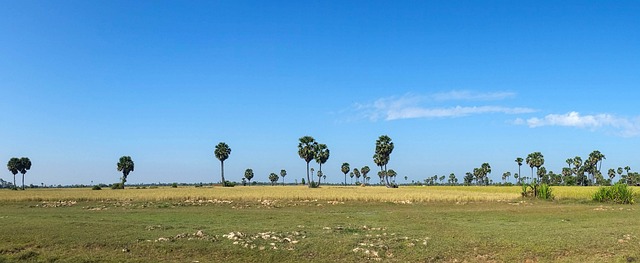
[516, 176]
[486, 170]
[321, 176]
[535, 160]
[25, 165]
[283, 173]
[307, 151]
[365, 170]
[452, 179]
[321, 154]
[519, 162]
[392, 174]
[14, 167]
[441, 179]
[505, 176]
[351, 175]
[611, 173]
[273, 177]
[384, 148]
[619, 171]
[578, 171]
[126, 166]
[356, 172]
[468, 178]
[222, 152]
[345, 169]
[249, 175]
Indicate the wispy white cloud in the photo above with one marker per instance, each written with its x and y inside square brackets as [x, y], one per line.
[618, 125]
[410, 106]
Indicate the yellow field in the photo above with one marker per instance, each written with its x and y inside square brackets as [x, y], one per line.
[296, 193]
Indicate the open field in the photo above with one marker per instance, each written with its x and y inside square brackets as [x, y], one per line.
[295, 224]
[328, 193]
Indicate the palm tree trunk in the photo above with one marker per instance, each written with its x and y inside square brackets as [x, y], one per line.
[22, 181]
[14, 182]
[308, 180]
[224, 183]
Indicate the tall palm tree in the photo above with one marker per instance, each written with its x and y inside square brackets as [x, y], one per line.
[356, 172]
[535, 159]
[351, 175]
[345, 169]
[321, 176]
[25, 165]
[222, 152]
[248, 174]
[14, 167]
[627, 168]
[569, 162]
[126, 166]
[307, 151]
[392, 174]
[486, 170]
[384, 148]
[273, 177]
[519, 160]
[619, 171]
[611, 173]
[283, 173]
[321, 154]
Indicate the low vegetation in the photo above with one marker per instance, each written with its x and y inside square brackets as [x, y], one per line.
[329, 224]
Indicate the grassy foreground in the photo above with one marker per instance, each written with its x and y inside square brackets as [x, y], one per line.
[294, 224]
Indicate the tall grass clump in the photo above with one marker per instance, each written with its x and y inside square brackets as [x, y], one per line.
[618, 193]
[544, 192]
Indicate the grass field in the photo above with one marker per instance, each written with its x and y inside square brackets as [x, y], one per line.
[295, 224]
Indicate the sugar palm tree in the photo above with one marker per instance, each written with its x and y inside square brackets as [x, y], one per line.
[519, 161]
[611, 173]
[273, 177]
[283, 173]
[321, 176]
[307, 151]
[126, 166]
[351, 175]
[345, 169]
[321, 154]
[25, 165]
[356, 172]
[222, 152]
[249, 175]
[14, 167]
[384, 148]
[365, 170]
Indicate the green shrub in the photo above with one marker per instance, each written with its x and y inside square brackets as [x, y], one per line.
[116, 186]
[229, 184]
[544, 192]
[618, 193]
[174, 185]
[96, 187]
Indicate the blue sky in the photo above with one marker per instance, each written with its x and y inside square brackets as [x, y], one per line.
[453, 83]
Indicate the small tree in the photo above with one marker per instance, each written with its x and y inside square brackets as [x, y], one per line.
[25, 165]
[125, 165]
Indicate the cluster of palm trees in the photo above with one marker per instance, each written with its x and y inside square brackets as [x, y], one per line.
[308, 150]
[357, 173]
[381, 157]
[19, 165]
[480, 175]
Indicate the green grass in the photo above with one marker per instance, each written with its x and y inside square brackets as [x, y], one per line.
[322, 230]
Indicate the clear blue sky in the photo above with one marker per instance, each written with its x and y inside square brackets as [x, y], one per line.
[453, 83]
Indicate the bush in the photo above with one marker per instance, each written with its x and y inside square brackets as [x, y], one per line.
[96, 187]
[229, 184]
[315, 185]
[544, 192]
[619, 193]
[174, 185]
[116, 186]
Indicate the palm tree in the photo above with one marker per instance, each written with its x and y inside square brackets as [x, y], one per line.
[611, 173]
[351, 175]
[577, 165]
[222, 152]
[25, 165]
[627, 168]
[384, 148]
[619, 171]
[273, 177]
[392, 174]
[505, 175]
[321, 154]
[452, 178]
[283, 173]
[307, 151]
[14, 167]
[486, 170]
[249, 175]
[125, 165]
[345, 169]
[365, 170]
[535, 159]
[356, 172]
[595, 157]
[321, 176]
[519, 161]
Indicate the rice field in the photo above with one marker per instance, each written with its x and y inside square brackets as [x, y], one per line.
[297, 193]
